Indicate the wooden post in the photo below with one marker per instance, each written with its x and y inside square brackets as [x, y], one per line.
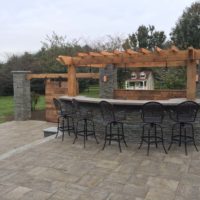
[72, 84]
[191, 80]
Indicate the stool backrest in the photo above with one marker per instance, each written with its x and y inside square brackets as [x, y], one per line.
[152, 112]
[63, 107]
[67, 107]
[187, 111]
[57, 105]
[75, 105]
[107, 111]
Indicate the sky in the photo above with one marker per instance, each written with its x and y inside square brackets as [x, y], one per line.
[24, 24]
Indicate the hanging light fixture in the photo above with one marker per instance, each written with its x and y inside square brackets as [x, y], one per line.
[125, 68]
[166, 67]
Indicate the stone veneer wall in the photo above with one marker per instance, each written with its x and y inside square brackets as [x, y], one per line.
[22, 95]
[149, 94]
[53, 89]
[133, 122]
[198, 83]
[107, 87]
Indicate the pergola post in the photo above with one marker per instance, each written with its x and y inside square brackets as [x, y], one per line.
[72, 84]
[191, 80]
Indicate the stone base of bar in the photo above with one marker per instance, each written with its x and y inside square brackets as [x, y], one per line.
[133, 122]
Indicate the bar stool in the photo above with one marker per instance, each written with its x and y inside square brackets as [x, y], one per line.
[184, 115]
[114, 124]
[65, 120]
[84, 123]
[152, 116]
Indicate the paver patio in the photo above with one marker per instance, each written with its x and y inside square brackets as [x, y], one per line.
[49, 169]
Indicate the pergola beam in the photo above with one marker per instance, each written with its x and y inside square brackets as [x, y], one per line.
[174, 49]
[155, 64]
[95, 54]
[82, 54]
[63, 75]
[153, 58]
[131, 52]
[158, 50]
[106, 53]
[144, 51]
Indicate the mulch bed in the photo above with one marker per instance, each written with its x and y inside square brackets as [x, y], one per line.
[38, 115]
[35, 115]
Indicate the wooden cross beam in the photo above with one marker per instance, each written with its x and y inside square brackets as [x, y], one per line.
[63, 75]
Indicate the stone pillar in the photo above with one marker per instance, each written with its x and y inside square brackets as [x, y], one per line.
[198, 82]
[108, 81]
[22, 95]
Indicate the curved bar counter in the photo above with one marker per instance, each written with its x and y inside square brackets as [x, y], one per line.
[133, 115]
[169, 102]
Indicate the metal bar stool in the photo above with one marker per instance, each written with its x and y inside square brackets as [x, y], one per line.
[114, 128]
[65, 121]
[84, 123]
[184, 115]
[152, 116]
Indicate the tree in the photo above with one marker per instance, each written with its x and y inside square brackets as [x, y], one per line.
[145, 37]
[43, 61]
[109, 43]
[170, 78]
[187, 30]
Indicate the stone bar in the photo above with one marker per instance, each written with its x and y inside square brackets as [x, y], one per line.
[22, 95]
[132, 108]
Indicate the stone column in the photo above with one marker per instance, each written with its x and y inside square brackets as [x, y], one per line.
[22, 95]
[108, 81]
[198, 83]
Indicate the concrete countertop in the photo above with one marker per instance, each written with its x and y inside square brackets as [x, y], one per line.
[169, 102]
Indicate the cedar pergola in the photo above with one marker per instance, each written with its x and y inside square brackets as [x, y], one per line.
[172, 57]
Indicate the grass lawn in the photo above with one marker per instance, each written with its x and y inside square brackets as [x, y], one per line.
[92, 91]
[41, 103]
[7, 107]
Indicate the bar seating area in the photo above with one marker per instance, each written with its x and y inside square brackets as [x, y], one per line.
[152, 115]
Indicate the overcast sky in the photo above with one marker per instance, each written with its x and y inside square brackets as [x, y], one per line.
[24, 23]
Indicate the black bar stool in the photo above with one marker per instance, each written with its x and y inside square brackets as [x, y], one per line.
[184, 115]
[65, 121]
[152, 116]
[115, 126]
[84, 123]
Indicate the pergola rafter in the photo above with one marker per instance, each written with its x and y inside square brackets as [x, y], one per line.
[143, 57]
